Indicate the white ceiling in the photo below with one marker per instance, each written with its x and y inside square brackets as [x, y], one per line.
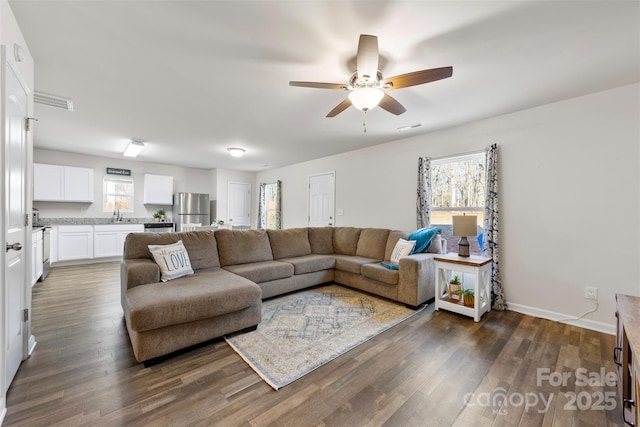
[195, 77]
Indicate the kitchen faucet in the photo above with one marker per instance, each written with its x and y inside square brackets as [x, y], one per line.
[117, 217]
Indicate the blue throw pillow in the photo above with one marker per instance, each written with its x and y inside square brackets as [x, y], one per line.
[423, 238]
[389, 265]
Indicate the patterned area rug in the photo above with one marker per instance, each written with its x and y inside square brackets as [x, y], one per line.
[302, 331]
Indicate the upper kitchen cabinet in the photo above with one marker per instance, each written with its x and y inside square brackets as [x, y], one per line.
[158, 190]
[54, 183]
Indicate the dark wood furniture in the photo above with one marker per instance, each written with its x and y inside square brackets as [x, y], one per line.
[626, 355]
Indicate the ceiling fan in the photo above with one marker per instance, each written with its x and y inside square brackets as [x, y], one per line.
[367, 86]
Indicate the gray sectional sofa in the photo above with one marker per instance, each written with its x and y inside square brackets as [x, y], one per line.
[236, 269]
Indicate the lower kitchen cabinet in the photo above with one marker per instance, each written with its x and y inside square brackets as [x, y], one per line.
[75, 242]
[108, 240]
[36, 256]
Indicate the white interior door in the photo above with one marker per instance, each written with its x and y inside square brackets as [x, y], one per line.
[322, 190]
[15, 230]
[239, 204]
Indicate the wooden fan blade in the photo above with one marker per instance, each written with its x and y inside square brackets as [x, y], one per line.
[390, 104]
[318, 85]
[367, 60]
[340, 108]
[417, 78]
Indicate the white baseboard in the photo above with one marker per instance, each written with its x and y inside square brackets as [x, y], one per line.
[3, 414]
[31, 345]
[563, 318]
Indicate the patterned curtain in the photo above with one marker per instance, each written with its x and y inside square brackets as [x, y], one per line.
[492, 227]
[278, 204]
[423, 203]
[262, 206]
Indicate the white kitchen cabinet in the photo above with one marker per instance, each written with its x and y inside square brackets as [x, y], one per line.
[48, 182]
[36, 256]
[158, 190]
[75, 242]
[56, 183]
[78, 184]
[108, 240]
[53, 244]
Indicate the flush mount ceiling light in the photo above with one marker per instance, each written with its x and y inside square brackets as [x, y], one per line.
[236, 152]
[133, 149]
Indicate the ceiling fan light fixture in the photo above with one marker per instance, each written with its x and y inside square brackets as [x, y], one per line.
[236, 152]
[133, 149]
[366, 98]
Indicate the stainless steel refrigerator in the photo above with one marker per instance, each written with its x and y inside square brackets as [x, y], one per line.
[191, 208]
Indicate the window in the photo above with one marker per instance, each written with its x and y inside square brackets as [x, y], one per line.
[117, 194]
[271, 198]
[457, 187]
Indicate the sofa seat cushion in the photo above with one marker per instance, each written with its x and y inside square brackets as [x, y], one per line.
[311, 263]
[208, 293]
[265, 271]
[382, 274]
[352, 264]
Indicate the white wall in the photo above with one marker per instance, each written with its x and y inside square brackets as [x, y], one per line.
[184, 180]
[570, 191]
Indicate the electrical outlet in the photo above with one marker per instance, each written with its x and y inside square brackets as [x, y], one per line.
[591, 292]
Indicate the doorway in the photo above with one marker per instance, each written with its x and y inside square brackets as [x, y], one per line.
[322, 188]
[15, 226]
[239, 205]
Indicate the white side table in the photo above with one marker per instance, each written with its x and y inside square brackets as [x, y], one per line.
[479, 266]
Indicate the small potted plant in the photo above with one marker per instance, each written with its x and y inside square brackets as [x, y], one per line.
[455, 289]
[159, 216]
[469, 297]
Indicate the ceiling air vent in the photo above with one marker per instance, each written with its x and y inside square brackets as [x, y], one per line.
[53, 101]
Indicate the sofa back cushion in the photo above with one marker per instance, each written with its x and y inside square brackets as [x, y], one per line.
[243, 246]
[345, 240]
[321, 240]
[393, 238]
[372, 243]
[289, 243]
[200, 245]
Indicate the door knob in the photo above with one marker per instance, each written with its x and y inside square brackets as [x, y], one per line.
[16, 247]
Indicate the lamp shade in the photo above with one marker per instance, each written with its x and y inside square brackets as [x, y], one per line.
[365, 98]
[133, 149]
[465, 225]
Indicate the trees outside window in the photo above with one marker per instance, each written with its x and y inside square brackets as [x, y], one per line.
[457, 188]
[117, 194]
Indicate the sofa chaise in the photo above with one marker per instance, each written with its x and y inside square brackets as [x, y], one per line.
[234, 270]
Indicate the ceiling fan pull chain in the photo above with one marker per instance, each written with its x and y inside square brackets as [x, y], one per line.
[364, 121]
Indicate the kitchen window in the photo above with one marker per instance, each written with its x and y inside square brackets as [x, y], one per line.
[117, 194]
[457, 188]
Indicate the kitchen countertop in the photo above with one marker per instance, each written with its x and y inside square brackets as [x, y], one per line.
[93, 221]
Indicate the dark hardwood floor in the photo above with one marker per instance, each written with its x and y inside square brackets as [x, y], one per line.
[418, 373]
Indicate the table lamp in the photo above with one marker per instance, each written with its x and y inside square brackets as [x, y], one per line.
[464, 226]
